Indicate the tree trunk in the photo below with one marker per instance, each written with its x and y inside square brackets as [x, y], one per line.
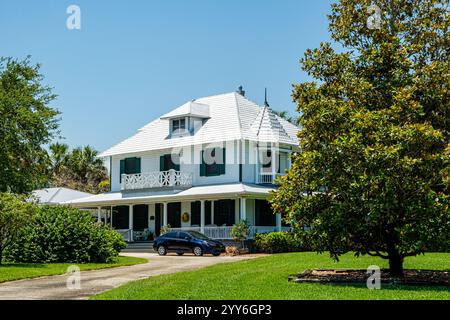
[395, 258]
[395, 264]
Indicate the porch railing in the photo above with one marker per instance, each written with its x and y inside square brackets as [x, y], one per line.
[156, 179]
[267, 177]
[224, 233]
[126, 234]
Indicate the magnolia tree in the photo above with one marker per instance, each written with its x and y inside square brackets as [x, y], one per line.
[373, 172]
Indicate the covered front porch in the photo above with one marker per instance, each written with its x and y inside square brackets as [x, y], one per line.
[214, 218]
[212, 210]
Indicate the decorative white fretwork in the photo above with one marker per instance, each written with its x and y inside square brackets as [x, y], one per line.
[157, 179]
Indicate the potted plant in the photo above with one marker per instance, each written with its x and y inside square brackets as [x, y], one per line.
[165, 229]
[240, 232]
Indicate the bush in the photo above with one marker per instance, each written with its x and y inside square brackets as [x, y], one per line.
[64, 234]
[240, 231]
[278, 242]
[14, 213]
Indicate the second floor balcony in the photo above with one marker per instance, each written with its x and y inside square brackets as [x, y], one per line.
[267, 177]
[156, 179]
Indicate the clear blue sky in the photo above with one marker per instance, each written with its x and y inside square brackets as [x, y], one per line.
[135, 60]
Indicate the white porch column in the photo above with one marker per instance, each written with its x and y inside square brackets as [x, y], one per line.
[111, 212]
[130, 221]
[202, 216]
[236, 210]
[99, 214]
[278, 221]
[243, 209]
[164, 213]
[273, 162]
[212, 211]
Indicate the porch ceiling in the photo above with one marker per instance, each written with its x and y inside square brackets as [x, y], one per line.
[221, 191]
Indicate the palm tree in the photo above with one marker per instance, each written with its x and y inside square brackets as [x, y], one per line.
[86, 166]
[80, 169]
[58, 155]
[285, 115]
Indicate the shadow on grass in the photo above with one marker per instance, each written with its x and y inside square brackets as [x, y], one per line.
[389, 286]
[22, 265]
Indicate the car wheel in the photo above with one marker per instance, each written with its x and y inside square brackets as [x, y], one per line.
[162, 251]
[198, 251]
[180, 253]
[216, 254]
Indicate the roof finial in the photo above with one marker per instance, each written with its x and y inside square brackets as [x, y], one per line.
[241, 91]
[266, 104]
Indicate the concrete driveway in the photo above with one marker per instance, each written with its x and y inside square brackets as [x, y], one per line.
[96, 281]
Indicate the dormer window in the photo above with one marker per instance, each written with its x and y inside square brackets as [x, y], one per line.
[179, 125]
[187, 119]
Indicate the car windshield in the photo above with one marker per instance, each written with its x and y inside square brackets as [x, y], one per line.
[198, 235]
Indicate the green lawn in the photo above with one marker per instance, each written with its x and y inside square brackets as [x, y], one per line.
[266, 278]
[16, 271]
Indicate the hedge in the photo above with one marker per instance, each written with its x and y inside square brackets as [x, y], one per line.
[65, 234]
[278, 242]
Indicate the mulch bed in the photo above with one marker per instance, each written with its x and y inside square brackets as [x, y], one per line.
[355, 276]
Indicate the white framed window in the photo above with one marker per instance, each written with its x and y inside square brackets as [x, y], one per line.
[179, 125]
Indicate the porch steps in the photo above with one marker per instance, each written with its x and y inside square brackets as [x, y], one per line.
[139, 247]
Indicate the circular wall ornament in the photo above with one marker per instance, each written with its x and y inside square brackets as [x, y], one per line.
[185, 217]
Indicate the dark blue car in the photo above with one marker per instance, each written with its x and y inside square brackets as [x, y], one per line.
[187, 241]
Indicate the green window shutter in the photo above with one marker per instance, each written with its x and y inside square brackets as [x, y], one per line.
[202, 166]
[222, 165]
[161, 163]
[279, 162]
[122, 169]
[138, 165]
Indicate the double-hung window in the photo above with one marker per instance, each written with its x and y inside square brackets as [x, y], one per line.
[178, 126]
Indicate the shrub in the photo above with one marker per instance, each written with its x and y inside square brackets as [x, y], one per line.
[278, 242]
[14, 213]
[240, 231]
[64, 234]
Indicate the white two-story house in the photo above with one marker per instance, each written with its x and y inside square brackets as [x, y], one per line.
[203, 166]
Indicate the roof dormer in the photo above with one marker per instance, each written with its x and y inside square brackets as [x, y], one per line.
[189, 109]
[186, 119]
